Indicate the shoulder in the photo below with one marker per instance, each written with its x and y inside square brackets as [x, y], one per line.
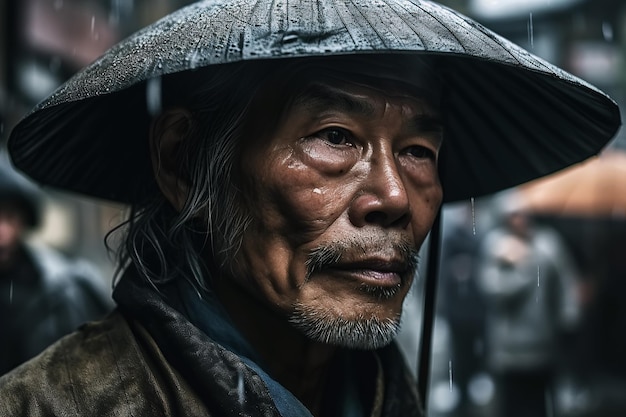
[85, 373]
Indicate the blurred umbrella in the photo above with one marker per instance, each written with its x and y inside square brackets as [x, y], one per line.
[594, 188]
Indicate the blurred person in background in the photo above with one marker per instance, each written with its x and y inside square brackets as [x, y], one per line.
[43, 294]
[529, 282]
[462, 301]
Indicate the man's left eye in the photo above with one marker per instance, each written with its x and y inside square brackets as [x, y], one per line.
[421, 152]
[336, 136]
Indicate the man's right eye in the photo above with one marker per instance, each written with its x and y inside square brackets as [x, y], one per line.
[336, 136]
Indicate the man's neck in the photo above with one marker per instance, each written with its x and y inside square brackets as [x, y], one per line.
[293, 360]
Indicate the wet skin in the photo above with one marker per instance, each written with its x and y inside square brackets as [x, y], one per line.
[346, 163]
[343, 166]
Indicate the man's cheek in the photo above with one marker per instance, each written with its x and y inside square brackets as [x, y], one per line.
[311, 211]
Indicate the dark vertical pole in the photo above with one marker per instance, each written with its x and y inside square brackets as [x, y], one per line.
[428, 317]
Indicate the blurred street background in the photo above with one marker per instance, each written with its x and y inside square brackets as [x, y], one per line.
[44, 42]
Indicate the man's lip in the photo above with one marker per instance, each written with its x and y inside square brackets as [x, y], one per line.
[373, 264]
[374, 272]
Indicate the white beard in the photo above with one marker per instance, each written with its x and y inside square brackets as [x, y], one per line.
[358, 333]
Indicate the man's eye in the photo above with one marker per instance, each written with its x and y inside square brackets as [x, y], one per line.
[336, 136]
[421, 152]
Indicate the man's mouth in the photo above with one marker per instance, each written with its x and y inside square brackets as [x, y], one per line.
[371, 262]
[372, 272]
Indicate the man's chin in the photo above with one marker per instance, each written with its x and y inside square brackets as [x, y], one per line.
[354, 333]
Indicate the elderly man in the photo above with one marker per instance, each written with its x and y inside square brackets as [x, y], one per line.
[284, 163]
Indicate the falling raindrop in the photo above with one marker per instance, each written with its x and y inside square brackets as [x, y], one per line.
[537, 276]
[240, 387]
[473, 216]
[94, 35]
[607, 31]
[11, 293]
[153, 95]
[450, 373]
[537, 296]
[1, 128]
[530, 31]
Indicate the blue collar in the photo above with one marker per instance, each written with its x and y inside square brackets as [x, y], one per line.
[207, 313]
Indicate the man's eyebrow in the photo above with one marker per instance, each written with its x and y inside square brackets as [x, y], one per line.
[321, 97]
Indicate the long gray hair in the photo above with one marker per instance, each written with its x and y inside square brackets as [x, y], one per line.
[164, 244]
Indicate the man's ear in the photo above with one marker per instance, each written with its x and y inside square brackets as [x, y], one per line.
[167, 133]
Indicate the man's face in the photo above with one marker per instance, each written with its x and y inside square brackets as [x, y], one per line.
[342, 194]
[12, 227]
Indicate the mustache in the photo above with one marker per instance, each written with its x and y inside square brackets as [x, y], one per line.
[331, 254]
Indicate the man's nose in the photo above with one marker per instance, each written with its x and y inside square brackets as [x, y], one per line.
[382, 198]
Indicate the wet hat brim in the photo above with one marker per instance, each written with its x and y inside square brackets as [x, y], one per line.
[511, 117]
